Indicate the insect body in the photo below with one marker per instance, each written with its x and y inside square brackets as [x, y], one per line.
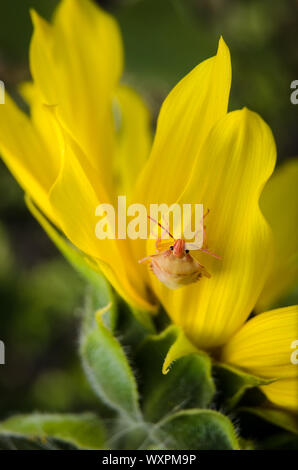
[173, 265]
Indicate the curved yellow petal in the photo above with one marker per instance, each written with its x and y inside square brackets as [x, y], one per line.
[134, 138]
[26, 154]
[283, 393]
[264, 345]
[187, 115]
[234, 163]
[133, 144]
[74, 198]
[28, 92]
[76, 62]
[181, 347]
[279, 203]
[43, 121]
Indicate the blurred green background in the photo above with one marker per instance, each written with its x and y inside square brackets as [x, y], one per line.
[40, 295]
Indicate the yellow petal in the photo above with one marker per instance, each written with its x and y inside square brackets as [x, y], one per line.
[43, 121]
[279, 203]
[76, 63]
[74, 198]
[283, 393]
[264, 345]
[29, 92]
[234, 163]
[42, 60]
[185, 119]
[181, 347]
[134, 138]
[26, 155]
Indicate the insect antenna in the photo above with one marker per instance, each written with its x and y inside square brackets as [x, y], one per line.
[210, 253]
[161, 226]
[206, 213]
[192, 246]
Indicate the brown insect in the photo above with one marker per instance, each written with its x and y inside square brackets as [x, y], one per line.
[173, 265]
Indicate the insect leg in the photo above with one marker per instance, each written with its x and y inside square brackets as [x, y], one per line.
[210, 253]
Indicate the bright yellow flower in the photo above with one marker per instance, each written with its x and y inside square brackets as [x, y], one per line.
[263, 346]
[87, 140]
[65, 155]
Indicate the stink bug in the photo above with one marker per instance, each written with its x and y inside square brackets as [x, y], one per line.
[173, 264]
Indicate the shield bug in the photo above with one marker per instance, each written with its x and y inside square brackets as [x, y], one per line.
[173, 264]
